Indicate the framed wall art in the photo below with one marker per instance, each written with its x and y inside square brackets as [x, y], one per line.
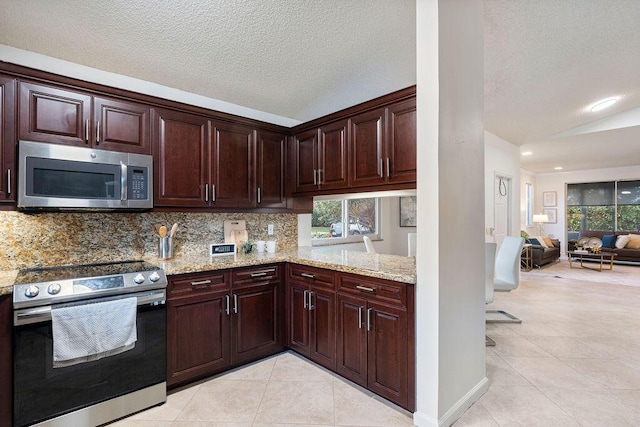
[552, 213]
[549, 198]
[408, 211]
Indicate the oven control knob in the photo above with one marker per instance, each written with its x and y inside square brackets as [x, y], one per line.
[139, 278]
[154, 277]
[31, 291]
[54, 288]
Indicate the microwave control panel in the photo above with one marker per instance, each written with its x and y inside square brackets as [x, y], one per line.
[138, 183]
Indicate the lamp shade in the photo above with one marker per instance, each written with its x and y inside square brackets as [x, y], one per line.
[541, 218]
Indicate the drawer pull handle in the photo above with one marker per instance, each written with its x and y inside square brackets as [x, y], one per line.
[307, 275]
[202, 282]
[364, 288]
[258, 274]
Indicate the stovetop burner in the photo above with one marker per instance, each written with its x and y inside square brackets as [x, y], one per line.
[47, 274]
[52, 285]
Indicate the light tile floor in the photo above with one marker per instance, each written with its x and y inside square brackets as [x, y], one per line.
[284, 390]
[574, 360]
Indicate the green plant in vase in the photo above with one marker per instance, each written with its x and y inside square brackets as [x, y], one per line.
[246, 247]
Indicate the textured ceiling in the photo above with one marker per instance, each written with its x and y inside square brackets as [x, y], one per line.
[545, 60]
[292, 58]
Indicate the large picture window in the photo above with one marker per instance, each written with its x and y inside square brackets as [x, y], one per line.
[344, 220]
[609, 206]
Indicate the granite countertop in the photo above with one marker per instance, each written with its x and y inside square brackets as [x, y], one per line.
[390, 267]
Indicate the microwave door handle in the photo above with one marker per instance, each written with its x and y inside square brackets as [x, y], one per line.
[123, 181]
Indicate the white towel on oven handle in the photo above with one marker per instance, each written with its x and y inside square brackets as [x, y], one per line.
[88, 332]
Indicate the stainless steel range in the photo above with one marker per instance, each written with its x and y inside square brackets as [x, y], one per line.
[107, 383]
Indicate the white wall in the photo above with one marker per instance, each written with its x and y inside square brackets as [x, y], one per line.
[450, 306]
[527, 177]
[501, 157]
[557, 182]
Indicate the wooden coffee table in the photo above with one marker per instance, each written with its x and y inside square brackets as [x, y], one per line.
[602, 256]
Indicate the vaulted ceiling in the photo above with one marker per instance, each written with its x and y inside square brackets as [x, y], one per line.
[545, 60]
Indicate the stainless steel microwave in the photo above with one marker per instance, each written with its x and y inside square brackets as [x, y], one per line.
[54, 176]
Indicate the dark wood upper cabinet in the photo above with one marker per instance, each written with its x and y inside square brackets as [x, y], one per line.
[366, 150]
[181, 148]
[8, 175]
[233, 166]
[48, 114]
[61, 116]
[332, 155]
[401, 142]
[305, 146]
[122, 126]
[271, 170]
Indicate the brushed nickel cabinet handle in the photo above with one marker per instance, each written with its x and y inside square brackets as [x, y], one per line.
[360, 317]
[388, 167]
[213, 192]
[201, 282]
[259, 195]
[369, 319]
[364, 288]
[305, 299]
[226, 300]
[320, 176]
[235, 303]
[311, 307]
[315, 181]
[258, 274]
[308, 276]
[86, 131]
[8, 181]
[206, 192]
[98, 133]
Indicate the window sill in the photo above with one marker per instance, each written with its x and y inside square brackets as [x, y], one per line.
[344, 240]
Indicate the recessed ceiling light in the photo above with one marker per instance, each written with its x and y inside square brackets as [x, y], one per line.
[601, 105]
[526, 153]
[625, 192]
[558, 168]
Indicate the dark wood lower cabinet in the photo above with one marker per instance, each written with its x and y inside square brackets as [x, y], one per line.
[220, 319]
[6, 360]
[352, 339]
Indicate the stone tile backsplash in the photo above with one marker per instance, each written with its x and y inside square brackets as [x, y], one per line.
[50, 239]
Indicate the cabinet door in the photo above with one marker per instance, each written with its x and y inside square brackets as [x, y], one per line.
[122, 126]
[298, 317]
[271, 171]
[305, 146]
[181, 152]
[233, 166]
[255, 322]
[7, 140]
[6, 358]
[322, 313]
[401, 142]
[367, 166]
[54, 115]
[197, 336]
[333, 169]
[388, 352]
[351, 339]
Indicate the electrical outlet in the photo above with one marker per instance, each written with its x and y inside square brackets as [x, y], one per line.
[270, 229]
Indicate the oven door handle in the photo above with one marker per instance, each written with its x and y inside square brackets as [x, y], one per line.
[43, 314]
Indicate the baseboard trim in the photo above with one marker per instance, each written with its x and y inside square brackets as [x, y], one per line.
[424, 420]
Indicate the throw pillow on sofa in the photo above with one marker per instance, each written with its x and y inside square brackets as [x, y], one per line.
[634, 241]
[622, 241]
[534, 241]
[609, 241]
[548, 242]
[540, 240]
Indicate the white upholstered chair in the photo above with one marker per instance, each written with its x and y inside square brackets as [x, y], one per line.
[507, 274]
[369, 245]
[411, 241]
[489, 273]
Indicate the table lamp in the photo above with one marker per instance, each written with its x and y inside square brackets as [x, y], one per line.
[540, 220]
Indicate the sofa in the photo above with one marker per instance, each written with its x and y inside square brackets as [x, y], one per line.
[626, 254]
[540, 254]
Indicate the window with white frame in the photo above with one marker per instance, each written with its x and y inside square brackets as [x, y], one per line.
[344, 220]
[529, 204]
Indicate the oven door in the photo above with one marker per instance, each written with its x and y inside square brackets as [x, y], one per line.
[42, 392]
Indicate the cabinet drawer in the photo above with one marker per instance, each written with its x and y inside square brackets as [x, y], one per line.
[383, 290]
[257, 274]
[312, 275]
[184, 285]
